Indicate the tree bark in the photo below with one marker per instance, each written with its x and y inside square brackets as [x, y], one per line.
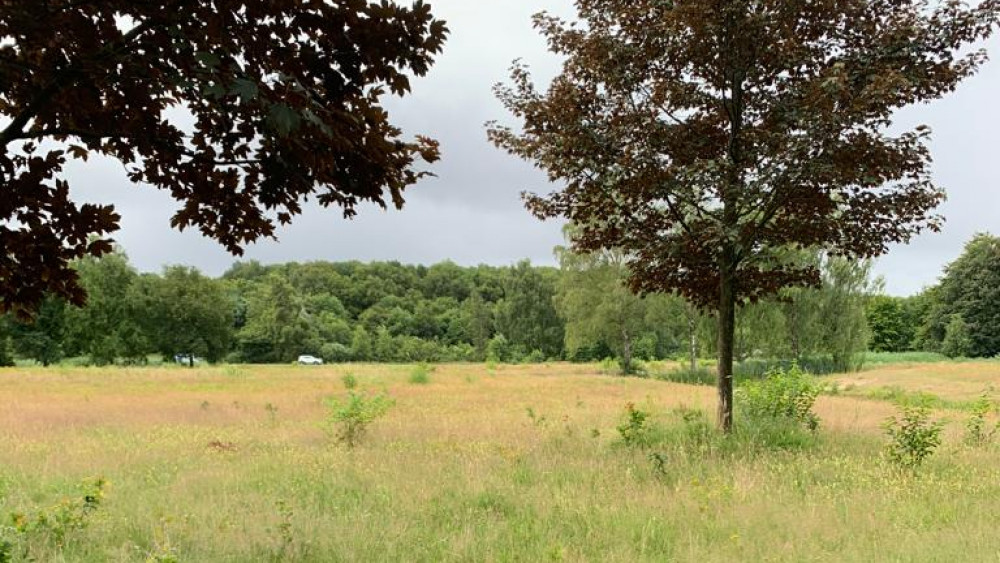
[727, 334]
[693, 336]
[626, 353]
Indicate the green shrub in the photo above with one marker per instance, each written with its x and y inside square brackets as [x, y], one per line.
[634, 430]
[52, 526]
[688, 376]
[913, 436]
[783, 394]
[609, 366]
[535, 357]
[350, 382]
[348, 420]
[421, 374]
[977, 430]
[498, 349]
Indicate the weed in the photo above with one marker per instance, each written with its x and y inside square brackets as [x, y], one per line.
[350, 381]
[634, 430]
[421, 374]
[977, 431]
[913, 436]
[348, 420]
[287, 548]
[272, 413]
[162, 550]
[50, 526]
[536, 419]
[659, 461]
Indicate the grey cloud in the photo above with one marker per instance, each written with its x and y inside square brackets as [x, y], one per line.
[472, 212]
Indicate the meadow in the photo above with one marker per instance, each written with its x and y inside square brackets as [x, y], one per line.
[476, 463]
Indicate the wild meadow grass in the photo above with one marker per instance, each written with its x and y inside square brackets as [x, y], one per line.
[497, 463]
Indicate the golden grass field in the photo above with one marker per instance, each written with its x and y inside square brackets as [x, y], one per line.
[232, 464]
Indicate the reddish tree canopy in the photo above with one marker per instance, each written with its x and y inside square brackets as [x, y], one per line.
[706, 137]
[284, 95]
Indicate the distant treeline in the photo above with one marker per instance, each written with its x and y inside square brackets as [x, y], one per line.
[390, 312]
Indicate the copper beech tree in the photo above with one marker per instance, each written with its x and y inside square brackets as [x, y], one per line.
[705, 138]
[239, 109]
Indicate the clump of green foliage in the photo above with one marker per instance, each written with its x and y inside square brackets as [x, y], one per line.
[348, 420]
[913, 436]
[349, 381]
[783, 394]
[421, 374]
[697, 376]
[51, 526]
[635, 430]
[978, 432]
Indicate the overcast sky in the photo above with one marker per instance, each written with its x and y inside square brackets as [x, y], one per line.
[472, 213]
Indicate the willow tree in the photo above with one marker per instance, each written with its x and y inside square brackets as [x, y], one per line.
[704, 138]
[239, 110]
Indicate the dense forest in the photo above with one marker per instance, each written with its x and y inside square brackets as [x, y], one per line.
[580, 311]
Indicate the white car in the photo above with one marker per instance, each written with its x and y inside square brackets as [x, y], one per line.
[306, 360]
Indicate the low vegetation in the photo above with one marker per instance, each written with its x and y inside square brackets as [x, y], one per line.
[196, 468]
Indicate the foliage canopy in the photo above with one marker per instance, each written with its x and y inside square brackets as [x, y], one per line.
[240, 110]
[705, 138]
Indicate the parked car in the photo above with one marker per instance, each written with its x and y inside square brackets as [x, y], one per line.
[306, 360]
[186, 360]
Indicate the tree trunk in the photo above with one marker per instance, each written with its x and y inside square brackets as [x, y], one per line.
[693, 336]
[190, 360]
[727, 334]
[626, 353]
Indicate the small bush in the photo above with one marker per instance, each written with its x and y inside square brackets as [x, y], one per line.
[348, 420]
[51, 526]
[535, 357]
[977, 430]
[634, 430]
[609, 366]
[688, 376]
[782, 394]
[421, 374]
[350, 382]
[913, 436]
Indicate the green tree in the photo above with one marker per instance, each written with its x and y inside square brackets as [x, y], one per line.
[969, 289]
[189, 314]
[957, 341]
[706, 138]
[362, 348]
[41, 338]
[278, 327]
[527, 315]
[6, 354]
[476, 321]
[845, 291]
[106, 328]
[891, 328]
[597, 305]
